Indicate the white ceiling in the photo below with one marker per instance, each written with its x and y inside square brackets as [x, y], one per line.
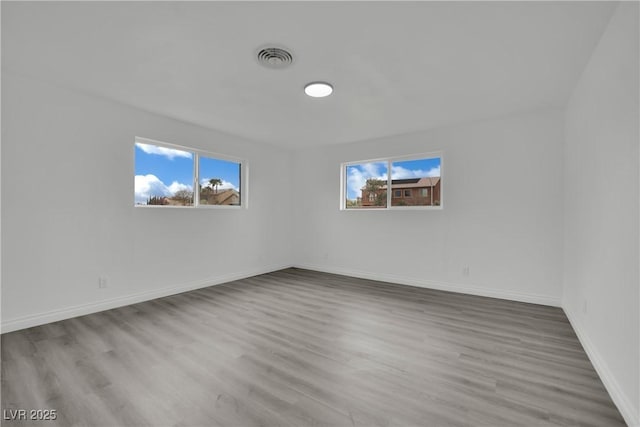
[397, 67]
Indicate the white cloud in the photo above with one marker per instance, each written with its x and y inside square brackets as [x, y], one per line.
[169, 153]
[355, 181]
[398, 172]
[224, 186]
[373, 169]
[177, 186]
[150, 185]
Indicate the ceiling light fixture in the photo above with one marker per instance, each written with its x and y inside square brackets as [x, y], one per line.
[318, 89]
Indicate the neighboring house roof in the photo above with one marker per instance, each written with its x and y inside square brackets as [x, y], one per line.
[223, 197]
[397, 184]
[405, 181]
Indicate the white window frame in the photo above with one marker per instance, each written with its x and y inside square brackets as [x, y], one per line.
[389, 161]
[244, 175]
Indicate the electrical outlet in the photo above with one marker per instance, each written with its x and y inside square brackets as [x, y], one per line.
[102, 282]
[465, 270]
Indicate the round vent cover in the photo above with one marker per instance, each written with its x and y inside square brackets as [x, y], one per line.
[274, 57]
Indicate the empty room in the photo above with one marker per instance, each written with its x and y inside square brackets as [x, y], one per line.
[320, 213]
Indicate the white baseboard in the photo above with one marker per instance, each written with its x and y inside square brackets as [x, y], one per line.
[625, 406]
[94, 307]
[443, 286]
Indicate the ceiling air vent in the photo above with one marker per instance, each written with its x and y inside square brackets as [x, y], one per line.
[274, 57]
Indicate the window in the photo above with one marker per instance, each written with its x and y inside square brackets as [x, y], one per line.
[165, 175]
[415, 182]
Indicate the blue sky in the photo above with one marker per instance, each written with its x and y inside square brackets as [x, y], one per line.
[167, 164]
[358, 174]
[161, 171]
[216, 168]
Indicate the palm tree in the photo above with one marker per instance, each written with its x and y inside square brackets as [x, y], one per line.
[214, 182]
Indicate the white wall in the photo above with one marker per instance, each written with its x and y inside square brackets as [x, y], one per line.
[68, 214]
[601, 277]
[502, 213]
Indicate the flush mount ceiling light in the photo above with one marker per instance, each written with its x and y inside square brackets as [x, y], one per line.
[318, 89]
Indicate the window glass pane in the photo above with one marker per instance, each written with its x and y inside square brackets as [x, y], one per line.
[417, 180]
[366, 185]
[163, 176]
[219, 182]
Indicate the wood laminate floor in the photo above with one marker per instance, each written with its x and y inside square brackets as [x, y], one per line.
[301, 348]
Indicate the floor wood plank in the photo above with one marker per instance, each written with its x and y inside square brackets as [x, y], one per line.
[302, 348]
